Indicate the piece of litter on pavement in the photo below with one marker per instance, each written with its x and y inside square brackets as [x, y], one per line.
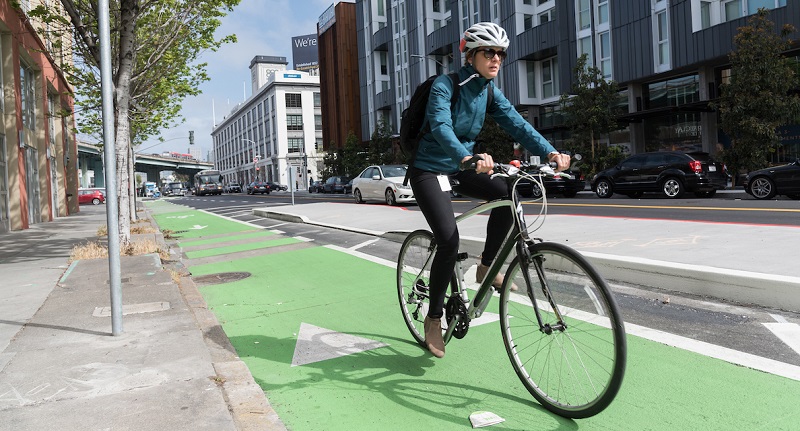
[484, 419]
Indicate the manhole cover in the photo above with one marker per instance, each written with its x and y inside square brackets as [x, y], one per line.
[220, 278]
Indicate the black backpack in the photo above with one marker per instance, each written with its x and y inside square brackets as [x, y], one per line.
[414, 125]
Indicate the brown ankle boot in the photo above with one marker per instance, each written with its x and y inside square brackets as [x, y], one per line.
[433, 336]
[497, 283]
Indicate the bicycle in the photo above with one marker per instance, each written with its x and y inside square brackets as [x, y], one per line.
[562, 330]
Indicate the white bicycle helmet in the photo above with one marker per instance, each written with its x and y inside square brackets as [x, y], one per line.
[484, 34]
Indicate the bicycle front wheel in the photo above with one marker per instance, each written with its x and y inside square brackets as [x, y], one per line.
[413, 278]
[571, 357]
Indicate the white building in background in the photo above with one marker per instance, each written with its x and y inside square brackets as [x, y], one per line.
[278, 127]
[196, 153]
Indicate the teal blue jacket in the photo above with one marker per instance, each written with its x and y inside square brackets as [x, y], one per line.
[452, 134]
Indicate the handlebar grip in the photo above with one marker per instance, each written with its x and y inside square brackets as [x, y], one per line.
[472, 163]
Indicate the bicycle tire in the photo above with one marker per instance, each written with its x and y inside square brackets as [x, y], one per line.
[413, 269]
[575, 372]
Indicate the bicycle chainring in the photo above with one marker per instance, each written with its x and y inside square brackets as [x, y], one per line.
[456, 307]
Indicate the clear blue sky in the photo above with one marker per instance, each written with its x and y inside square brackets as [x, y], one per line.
[263, 27]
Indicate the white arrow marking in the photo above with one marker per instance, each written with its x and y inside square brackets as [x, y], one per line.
[183, 216]
[788, 332]
[315, 344]
[198, 227]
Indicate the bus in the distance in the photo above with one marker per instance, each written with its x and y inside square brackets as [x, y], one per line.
[208, 182]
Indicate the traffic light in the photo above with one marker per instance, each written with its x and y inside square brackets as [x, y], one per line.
[191, 137]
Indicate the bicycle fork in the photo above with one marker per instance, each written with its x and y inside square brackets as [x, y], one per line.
[530, 257]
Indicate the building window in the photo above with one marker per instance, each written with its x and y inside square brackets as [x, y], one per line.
[705, 14]
[550, 78]
[27, 87]
[527, 21]
[530, 74]
[662, 37]
[317, 100]
[295, 145]
[733, 9]
[584, 14]
[547, 16]
[602, 11]
[318, 122]
[605, 54]
[585, 47]
[293, 100]
[294, 122]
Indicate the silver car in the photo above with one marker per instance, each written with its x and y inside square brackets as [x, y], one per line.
[382, 183]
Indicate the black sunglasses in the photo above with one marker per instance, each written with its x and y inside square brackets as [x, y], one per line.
[489, 53]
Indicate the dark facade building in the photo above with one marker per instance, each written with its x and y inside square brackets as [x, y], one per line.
[338, 64]
[669, 58]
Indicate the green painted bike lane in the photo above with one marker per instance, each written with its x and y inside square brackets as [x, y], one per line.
[302, 305]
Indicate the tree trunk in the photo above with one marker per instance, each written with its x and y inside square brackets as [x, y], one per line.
[128, 11]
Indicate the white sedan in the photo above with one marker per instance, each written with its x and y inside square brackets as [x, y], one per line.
[382, 183]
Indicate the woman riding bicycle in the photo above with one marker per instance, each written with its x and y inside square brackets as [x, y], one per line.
[449, 143]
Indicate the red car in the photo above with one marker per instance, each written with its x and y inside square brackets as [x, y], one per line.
[92, 196]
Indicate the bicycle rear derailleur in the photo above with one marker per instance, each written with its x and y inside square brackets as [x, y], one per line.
[456, 307]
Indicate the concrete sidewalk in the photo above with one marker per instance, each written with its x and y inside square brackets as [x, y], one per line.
[60, 367]
[750, 264]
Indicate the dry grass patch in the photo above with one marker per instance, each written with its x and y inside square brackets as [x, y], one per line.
[95, 250]
[139, 226]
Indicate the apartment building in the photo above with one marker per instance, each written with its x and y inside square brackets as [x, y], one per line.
[338, 64]
[668, 56]
[38, 150]
[278, 127]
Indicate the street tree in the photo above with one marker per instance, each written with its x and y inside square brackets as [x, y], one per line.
[757, 99]
[589, 110]
[155, 50]
[495, 141]
[354, 156]
[381, 150]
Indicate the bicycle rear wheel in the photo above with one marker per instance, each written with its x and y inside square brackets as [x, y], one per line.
[413, 276]
[574, 370]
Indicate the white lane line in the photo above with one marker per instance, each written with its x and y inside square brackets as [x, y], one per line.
[700, 347]
[363, 244]
[240, 221]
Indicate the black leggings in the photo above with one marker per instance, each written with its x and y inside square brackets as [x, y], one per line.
[437, 208]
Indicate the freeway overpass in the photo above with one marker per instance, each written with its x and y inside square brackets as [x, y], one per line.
[90, 159]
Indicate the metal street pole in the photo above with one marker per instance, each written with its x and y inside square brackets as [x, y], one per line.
[256, 156]
[112, 201]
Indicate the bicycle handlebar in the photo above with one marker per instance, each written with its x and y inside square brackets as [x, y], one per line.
[513, 170]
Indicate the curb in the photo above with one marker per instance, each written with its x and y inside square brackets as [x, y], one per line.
[742, 287]
[248, 405]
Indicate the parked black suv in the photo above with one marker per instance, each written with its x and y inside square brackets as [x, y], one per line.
[669, 172]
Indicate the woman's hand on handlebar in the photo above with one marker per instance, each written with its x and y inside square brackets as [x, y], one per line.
[483, 163]
[562, 161]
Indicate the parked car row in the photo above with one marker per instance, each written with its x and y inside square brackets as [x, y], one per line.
[669, 173]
